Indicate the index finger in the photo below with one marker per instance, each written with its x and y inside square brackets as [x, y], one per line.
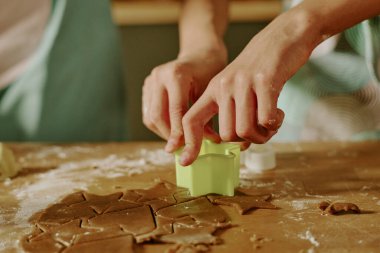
[193, 125]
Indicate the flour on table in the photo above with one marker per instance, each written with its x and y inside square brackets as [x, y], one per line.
[48, 187]
[309, 237]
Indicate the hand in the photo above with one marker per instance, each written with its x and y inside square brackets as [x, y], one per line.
[245, 93]
[172, 87]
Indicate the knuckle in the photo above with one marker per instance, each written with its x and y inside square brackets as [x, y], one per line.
[223, 84]
[224, 81]
[154, 71]
[261, 141]
[189, 123]
[187, 120]
[241, 77]
[149, 124]
[155, 117]
[178, 68]
[262, 79]
[176, 113]
[147, 82]
[227, 136]
[176, 133]
[267, 119]
[244, 132]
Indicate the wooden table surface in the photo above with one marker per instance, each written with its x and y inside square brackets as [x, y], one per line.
[306, 174]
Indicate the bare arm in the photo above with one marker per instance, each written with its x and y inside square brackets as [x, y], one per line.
[245, 93]
[171, 87]
[332, 17]
[202, 26]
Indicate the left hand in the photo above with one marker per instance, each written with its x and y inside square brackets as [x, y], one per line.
[172, 87]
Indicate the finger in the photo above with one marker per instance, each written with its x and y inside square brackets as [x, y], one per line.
[267, 96]
[244, 145]
[227, 119]
[146, 95]
[178, 93]
[193, 125]
[246, 119]
[158, 112]
[211, 134]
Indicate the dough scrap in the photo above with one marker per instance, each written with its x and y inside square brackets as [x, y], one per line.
[335, 208]
[120, 222]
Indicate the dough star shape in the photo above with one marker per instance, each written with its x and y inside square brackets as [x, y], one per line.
[243, 203]
[124, 221]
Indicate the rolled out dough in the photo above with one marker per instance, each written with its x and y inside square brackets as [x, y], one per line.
[84, 222]
[8, 165]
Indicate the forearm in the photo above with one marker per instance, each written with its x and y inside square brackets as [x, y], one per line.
[332, 17]
[202, 25]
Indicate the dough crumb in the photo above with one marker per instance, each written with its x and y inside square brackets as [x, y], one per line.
[335, 208]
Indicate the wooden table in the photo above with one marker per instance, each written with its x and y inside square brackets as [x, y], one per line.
[152, 12]
[306, 174]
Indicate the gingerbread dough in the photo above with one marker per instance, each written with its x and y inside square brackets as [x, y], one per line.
[334, 208]
[122, 221]
[243, 203]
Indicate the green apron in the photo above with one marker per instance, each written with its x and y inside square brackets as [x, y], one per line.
[73, 87]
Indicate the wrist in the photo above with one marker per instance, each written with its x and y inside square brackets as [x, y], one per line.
[210, 51]
[305, 26]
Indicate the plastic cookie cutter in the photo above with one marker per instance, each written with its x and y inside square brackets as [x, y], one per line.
[8, 165]
[216, 170]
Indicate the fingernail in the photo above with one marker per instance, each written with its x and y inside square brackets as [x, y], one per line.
[170, 146]
[184, 159]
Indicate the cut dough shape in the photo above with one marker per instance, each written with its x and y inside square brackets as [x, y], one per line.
[162, 190]
[45, 245]
[130, 196]
[84, 222]
[159, 196]
[96, 236]
[243, 203]
[8, 165]
[121, 244]
[136, 221]
[163, 227]
[199, 209]
[194, 235]
[61, 213]
[182, 196]
[74, 198]
[101, 203]
[120, 205]
[66, 233]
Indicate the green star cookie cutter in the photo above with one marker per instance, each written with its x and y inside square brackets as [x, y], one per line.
[216, 170]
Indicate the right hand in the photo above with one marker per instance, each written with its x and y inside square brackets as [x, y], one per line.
[245, 93]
